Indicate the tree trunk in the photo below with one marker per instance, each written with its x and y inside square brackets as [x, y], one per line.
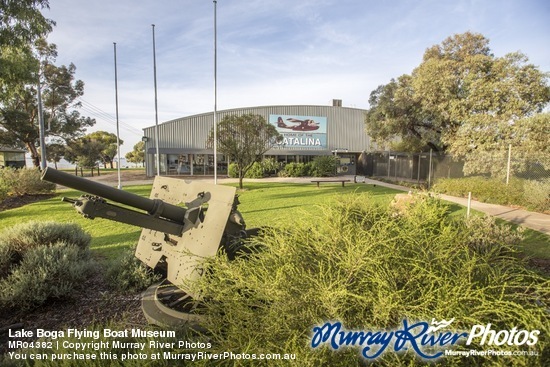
[34, 154]
[241, 176]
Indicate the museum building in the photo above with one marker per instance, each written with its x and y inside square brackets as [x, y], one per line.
[308, 131]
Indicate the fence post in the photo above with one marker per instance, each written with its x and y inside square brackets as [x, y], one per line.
[418, 175]
[430, 170]
[508, 166]
[389, 163]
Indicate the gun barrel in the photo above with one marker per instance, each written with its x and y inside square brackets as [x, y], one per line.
[154, 207]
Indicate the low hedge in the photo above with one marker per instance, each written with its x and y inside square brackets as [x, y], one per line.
[534, 195]
[25, 181]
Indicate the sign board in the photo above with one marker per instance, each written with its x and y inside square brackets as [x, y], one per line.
[304, 132]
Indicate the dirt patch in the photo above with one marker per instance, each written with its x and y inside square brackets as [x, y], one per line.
[94, 303]
[542, 265]
[19, 201]
[125, 175]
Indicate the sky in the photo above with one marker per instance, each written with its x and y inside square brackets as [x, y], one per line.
[279, 52]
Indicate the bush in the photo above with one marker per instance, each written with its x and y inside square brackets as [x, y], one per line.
[256, 171]
[46, 272]
[232, 170]
[130, 274]
[536, 195]
[271, 166]
[533, 195]
[296, 169]
[7, 180]
[19, 239]
[489, 190]
[25, 181]
[370, 267]
[41, 260]
[324, 166]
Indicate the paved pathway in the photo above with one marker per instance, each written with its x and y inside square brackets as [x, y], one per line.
[537, 221]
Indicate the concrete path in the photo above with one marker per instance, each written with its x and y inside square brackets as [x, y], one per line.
[537, 221]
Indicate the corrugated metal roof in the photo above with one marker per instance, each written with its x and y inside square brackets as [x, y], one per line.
[345, 129]
[11, 150]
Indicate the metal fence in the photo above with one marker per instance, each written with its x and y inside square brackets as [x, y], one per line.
[428, 167]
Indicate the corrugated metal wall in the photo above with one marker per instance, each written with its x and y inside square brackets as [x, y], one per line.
[345, 128]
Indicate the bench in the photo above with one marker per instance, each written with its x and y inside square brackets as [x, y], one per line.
[343, 181]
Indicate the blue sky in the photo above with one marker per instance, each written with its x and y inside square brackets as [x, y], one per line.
[280, 52]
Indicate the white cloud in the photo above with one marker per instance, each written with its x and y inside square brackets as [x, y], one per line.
[269, 52]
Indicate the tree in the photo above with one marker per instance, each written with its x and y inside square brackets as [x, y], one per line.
[138, 154]
[84, 152]
[109, 142]
[461, 99]
[244, 139]
[55, 152]
[19, 110]
[22, 22]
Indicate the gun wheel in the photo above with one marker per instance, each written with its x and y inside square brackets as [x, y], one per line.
[165, 304]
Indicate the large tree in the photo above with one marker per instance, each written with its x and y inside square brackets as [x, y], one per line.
[60, 93]
[84, 152]
[109, 143]
[244, 139]
[22, 22]
[138, 154]
[461, 99]
[21, 25]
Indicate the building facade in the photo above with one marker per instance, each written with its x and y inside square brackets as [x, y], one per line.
[308, 131]
[12, 157]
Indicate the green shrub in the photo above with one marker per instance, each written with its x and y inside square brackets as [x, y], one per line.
[129, 274]
[18, 182]
[489, 190]
[46, 272]
[296, 169]
[41, 260]
[7, 181]
[371, 267]
[256, 171]
[232, 170]
[536, 195]
[324, 166]
[271, 166]
[19, 239]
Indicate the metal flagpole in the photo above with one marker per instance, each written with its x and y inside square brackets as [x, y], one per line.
[43, 162]
[117, 128]
[156, 104]
[215, 95]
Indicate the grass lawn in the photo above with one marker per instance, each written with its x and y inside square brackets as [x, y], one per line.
[262, 204]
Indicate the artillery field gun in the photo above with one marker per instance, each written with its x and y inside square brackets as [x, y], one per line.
[184, 222]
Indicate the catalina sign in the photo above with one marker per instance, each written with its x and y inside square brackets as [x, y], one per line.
[305, 132]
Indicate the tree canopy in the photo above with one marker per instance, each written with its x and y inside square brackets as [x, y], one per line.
[108, 142]
[461, 99]
[244, 139]
[137, 155]
[27, 61]
[22, 22]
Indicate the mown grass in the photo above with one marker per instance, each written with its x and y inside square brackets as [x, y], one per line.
[262, 204]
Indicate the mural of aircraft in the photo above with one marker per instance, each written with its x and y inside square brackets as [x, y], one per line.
[304, 125]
